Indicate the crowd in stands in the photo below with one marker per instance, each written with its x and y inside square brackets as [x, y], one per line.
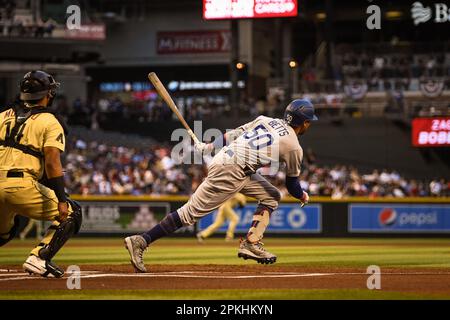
[381, 71]
[392, 66]
[95, 168]
[392, 74]
[155, 110]
[7, 9]
[23, 25]
[23, 29]
[340, 181]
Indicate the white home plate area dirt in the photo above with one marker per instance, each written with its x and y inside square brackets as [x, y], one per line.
[414, 280]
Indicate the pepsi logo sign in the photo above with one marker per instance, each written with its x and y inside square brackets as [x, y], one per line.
[387, 217]
[411, 218]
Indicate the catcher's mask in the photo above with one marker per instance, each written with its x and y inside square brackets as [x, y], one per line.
[36, 85]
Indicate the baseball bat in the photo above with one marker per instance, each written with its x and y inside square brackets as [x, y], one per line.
[168, 99]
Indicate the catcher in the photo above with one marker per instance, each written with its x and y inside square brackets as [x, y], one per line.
[225, 212]
[31, 141]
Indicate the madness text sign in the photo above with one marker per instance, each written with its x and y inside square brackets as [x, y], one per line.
[193, 42]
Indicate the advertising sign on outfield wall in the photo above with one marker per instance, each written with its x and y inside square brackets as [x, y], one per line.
[407, 218]
[122, 217]
[289, 218]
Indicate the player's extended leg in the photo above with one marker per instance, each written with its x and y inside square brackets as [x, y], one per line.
[220, 219]
[268, 197]
[233, 219]
[222, 182]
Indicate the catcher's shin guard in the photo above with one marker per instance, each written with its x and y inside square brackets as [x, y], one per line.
[11, 234]
[64, 231]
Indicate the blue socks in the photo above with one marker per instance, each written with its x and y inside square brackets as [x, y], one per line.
[166, 226]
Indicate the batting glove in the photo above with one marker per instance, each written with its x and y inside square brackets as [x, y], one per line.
[202, 148]
[305, 199]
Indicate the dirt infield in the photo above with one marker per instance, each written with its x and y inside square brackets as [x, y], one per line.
[422, 281]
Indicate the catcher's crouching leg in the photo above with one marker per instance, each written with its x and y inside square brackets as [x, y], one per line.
[63, 232]
[5, 238]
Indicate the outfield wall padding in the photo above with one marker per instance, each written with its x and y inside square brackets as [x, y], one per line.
[323, 217]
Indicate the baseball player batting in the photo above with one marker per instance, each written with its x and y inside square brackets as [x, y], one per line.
[225, 212]
[31, 141]
[233, 170]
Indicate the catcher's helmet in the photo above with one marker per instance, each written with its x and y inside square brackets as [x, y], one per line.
[35, 85]
[299, 111]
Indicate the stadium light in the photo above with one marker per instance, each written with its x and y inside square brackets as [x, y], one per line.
[321, 16]
[240, 66]
[293, 64]
[393, 14]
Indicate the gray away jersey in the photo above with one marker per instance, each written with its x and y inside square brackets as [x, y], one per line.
[265, 142]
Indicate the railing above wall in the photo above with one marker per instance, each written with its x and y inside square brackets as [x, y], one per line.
[313, 199]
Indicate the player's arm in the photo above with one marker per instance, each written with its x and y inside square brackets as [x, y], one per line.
[295, 189]
[225, 139]
[55, 176]
[293, 160]
[232, 135]
[54, 144]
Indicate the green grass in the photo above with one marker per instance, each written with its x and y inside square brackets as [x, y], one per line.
[300, 252]
[403, 253]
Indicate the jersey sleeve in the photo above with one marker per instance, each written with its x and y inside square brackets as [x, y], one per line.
[54, 135]
[236, 133]
[293, 160]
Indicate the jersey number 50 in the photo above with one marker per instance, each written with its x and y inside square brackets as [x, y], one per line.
[259, 137]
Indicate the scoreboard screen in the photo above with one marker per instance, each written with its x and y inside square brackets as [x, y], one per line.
[248, 9]
[431, 132]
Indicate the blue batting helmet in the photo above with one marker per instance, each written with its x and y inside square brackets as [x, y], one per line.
[299, 111]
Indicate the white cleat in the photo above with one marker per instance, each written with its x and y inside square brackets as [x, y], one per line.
[136, 245]
[200, 238]
[36, 265]
[255, 251]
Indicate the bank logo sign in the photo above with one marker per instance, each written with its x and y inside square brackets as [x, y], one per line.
[421, 14]
[288, 218]
[121, 217]
[399, 218]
